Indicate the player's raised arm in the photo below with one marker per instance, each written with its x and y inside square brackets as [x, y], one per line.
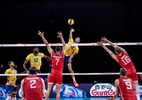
[62, 40]
[103, 39]
[41, 34]
[107, 50]
[70, 34]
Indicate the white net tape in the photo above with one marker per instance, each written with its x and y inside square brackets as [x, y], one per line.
[44, 74]
[59, 44]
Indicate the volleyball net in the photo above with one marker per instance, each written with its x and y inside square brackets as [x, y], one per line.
[9, 46]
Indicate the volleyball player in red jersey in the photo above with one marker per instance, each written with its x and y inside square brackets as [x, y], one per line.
[32, 86]
[57, 60]
[123, 58]
[124, 87]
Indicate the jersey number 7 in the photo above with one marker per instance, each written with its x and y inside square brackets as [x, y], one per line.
[57, 61]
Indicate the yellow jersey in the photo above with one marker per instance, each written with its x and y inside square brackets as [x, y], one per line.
[71, 49]
[35, 60]
[11, 80]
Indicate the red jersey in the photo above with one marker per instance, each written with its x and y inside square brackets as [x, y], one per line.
[57, 61]
[125, 61]
[126, 88]
[32, 87]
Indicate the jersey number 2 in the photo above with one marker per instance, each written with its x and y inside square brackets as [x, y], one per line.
[129, 85]
[57, 61]
[32, 83]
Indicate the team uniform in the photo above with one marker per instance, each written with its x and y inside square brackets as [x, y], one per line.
[70, 50]
[126, 88]
[11, 80]
[57, 67]
[125, 61]
[35, 60]
[32, 87]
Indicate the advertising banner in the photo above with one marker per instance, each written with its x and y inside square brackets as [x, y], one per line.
[83, 91]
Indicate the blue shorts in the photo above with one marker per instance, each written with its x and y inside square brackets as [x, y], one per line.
[38, 71]
[9, 89]
[67, 59]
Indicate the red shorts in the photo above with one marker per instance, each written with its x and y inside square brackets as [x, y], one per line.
[129, 98]
[132, 74]
[34, 99]
[55, 77]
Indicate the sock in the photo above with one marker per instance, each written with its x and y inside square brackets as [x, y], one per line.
[73, 79]
[8, 98]
[138, 96]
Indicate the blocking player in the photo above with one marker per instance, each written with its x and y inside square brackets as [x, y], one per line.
[11, 82]
[57, 59]
[124, 87]
[123, 58]
[71, 51]
[32, 86]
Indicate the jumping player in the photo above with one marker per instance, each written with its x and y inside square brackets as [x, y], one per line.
[32, 86]
[11, 82]
[124, 87]
[35, 59]
[123, 58]
[70, 53]
[57, 60]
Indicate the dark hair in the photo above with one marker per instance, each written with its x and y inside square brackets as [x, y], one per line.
[118, 49]
[32, 70]
[123, 71]
[35, 47]
[10, 62]
[57, 48]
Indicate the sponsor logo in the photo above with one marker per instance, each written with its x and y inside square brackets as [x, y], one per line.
[102, 89]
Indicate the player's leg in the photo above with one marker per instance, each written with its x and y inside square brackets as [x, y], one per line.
[59, 79]
[58, 87]
[8, 97]
[48, 90]
[9, 90]
[72, 74]
[136, 84]
[51, 80]
[71, 70]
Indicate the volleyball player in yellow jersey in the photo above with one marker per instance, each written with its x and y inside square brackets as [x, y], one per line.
[11, 81]
[35, 59]
[70, 52]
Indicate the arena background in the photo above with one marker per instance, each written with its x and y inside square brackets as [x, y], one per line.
[119, 21]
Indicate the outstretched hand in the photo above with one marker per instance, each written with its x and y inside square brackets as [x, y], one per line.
[99, 43]
[72, 30]
[103, 39]
[40, 33]
[59, 34]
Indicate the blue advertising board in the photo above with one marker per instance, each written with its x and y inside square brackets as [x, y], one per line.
[83, 91]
